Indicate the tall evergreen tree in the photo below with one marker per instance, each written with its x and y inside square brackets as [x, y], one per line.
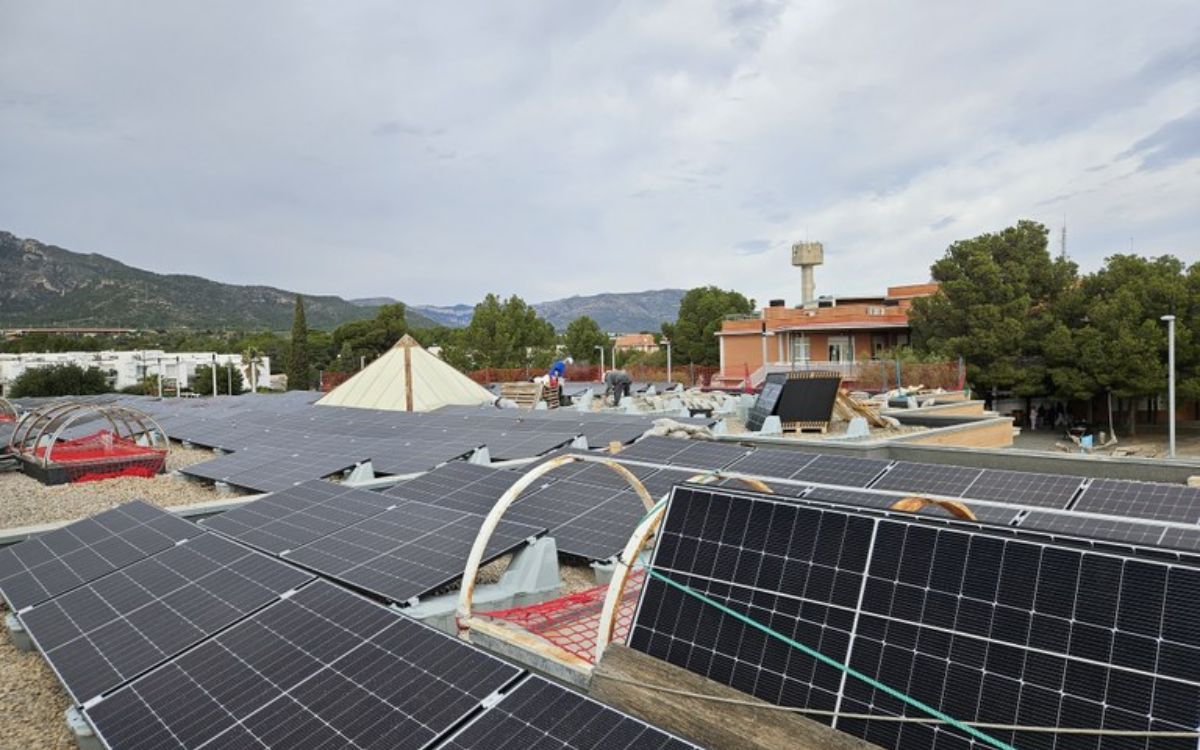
[996, 307]
[701, 313]
[297, 371]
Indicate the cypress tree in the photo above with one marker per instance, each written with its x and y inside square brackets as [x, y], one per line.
[297, 371]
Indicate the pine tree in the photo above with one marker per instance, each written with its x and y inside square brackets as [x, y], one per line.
[297, 371]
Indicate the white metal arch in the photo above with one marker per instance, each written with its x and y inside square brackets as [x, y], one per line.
[467, 591]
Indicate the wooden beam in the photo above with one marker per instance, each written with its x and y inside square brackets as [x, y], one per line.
[408, 384]
[712, 724]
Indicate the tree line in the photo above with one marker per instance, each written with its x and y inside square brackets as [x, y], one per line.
[1029, 324]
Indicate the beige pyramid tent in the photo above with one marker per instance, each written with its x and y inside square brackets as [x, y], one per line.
[407, 378]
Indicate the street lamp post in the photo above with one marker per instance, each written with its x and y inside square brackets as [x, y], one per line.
[214, 374]
[1170, 384]
[601, 350]
[667, 343]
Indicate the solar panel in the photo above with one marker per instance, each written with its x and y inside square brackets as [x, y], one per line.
[458, 485]
[588, 515]
[767, 462]
[594, 474]
[699, 454]
[538, 713]
[292, 469]
[97, 636]
[323, 668]
[522, 444]
[1167, 502]
[407, 551]
[878, 501]
[585, 520]
[653, 449]
[409, 457]
[1024, 488]
[298, 515]
[935, 479]
[50, 564]
[1143, 534]
[660, 483]
[995, 629]
[222, 467]
[843, 470]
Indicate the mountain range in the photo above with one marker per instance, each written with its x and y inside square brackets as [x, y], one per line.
[626, 312]
[45, 285]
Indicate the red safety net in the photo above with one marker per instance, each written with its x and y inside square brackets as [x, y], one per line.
[571, 622]
[104, 455]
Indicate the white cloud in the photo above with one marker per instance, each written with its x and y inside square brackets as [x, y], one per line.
[433, 153]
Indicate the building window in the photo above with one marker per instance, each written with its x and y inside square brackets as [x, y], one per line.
[839, 349]
[800, 348]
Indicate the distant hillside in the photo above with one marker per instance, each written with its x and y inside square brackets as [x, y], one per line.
[47, 285]
[455, 316]
[628, 312]
[372, 301]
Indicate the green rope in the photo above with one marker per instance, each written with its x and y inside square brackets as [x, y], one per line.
[837, 664]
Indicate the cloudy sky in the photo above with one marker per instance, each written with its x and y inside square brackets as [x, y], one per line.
[436, 151]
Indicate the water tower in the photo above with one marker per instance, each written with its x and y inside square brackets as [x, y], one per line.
[808, 255]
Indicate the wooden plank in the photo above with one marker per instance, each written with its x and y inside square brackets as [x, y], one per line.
[712, 724]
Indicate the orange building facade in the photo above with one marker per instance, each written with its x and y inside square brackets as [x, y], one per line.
[831, 333]
[636, 342]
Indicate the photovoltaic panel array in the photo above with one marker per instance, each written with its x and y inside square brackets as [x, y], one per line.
[653, 449]
[1142, 534]
[843, 470]
[458, 485]
[411, 456]
[296, 516]
[321, 669]
[1141, 499]
[589, 509]
[53, 563]
[1024, 488]
[104, 633]
[539, 714]
[999, 628]
[292, 469]
[937, 479]
[222, 467]
[407, 551]
[690, 453]
[768, 462]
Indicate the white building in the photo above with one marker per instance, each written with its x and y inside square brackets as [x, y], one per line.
[126, 369]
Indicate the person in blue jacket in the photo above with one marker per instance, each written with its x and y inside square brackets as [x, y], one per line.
[559, 368]
[558, 373]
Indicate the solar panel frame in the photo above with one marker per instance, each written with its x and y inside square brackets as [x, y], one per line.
[288, 471]
[407, 551]
[58, 561]
[847, 471]
[937, 479]
[1024, 488]
[323, 668]
[768, 462]
[539, 713]
[1165, 502]
[300, 514]
[106, 632]
[897, 599]
[653, 449]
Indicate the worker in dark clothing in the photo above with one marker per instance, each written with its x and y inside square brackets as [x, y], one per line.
[617, 383]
